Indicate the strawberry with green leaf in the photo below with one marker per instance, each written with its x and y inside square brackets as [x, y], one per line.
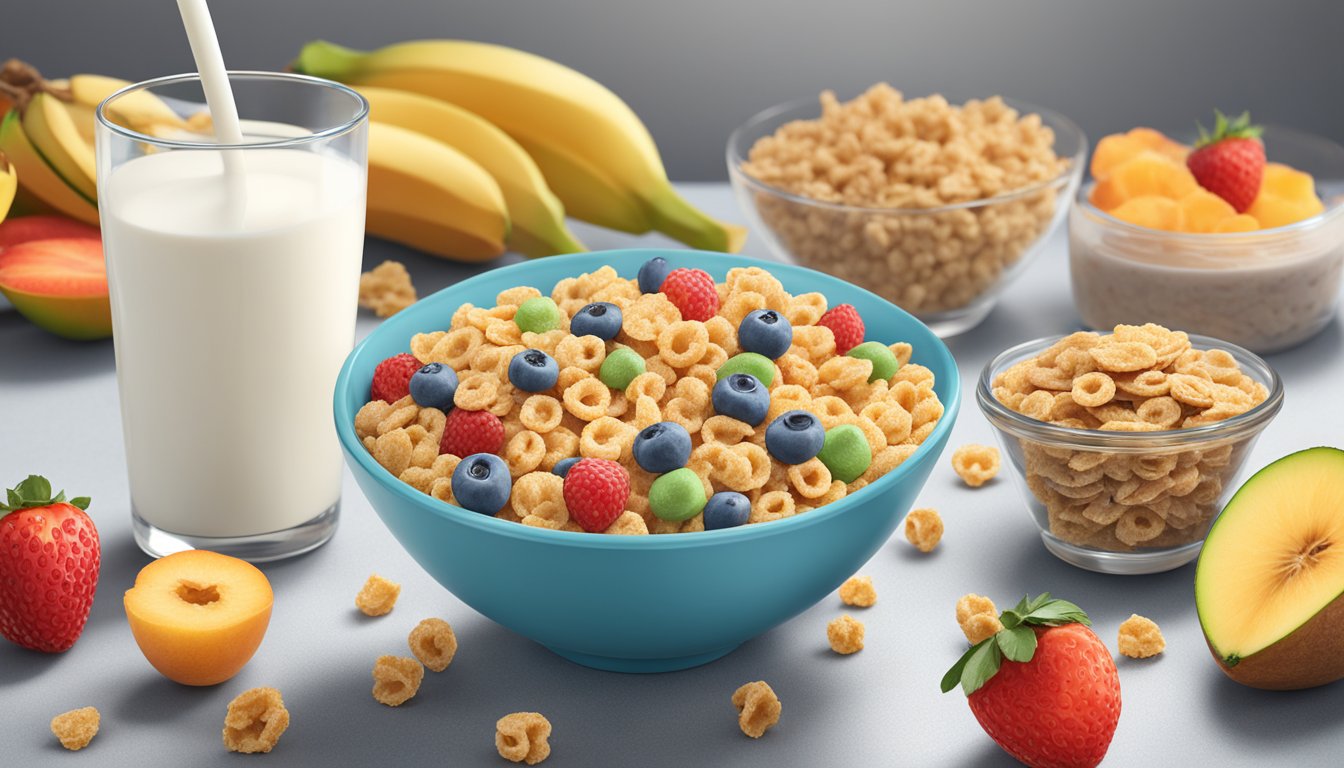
[1230, 162]
[1044, 687]
[49, 558]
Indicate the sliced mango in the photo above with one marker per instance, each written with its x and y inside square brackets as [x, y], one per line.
[1151, 211]
[1119, 148]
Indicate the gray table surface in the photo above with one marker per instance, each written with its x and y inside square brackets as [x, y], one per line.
[59, 416]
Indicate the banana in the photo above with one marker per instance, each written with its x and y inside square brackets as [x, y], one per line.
[583, 137]
[430, 196]
[139, 111]
[9, 184]
[51, 128]
[40, 181]
[535, 213]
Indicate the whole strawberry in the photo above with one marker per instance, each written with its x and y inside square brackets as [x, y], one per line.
[1044, 687]
[693, 292]
[467, 432]
[596, 491]
[846, 325]
[392, 377]
[1231, 162]
[49, 557]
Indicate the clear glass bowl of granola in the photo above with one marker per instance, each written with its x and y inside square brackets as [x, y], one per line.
[936, 207]
[1133, 485]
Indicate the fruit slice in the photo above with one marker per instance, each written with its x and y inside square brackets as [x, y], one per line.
[198, 616]
[49, 125]
[59, 285]
[1151, 211]
[39, 179]
[1149, 173]
[1271, 575]
[1239, 223]
[1287, 196]
[9, 184]
[24, 228]
[1119, 148]
[140, 111]
[1203, 211]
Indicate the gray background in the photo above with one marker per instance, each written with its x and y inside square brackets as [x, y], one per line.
[695, 69]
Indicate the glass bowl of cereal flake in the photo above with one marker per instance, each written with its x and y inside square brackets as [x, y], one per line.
[934, 206]
[1126, 445]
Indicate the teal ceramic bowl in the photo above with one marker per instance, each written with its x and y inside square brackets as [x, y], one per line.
[640, 603]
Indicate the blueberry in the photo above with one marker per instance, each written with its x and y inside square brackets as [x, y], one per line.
[562, 466]
[726, 509]
[794, 437]
[741, 396]
[662, 447]
[601, 319]
[533, 371]
[481, 483]
[765, 332]
[434, 386]
[652, 274]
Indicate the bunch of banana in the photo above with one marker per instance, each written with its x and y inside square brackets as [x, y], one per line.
[592, 151]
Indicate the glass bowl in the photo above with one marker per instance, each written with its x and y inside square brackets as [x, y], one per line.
[946, 265]
[1265, 290]
[1127, 502]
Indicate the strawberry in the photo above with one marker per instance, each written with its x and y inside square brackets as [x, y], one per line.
[693, 292]
[49, 559]
[845, 325]
[1231, 162]
[1044, 688]
[595, 492]
[392, 377]
[467, 432]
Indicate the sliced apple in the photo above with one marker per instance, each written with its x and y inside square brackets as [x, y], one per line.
[1270, 578]
[59, 285]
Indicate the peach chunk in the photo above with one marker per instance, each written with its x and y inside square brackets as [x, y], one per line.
[1203, 211]
[1119, 148]
[198, 616]
[1149, 173]
[1286, 196]
[1151, 211]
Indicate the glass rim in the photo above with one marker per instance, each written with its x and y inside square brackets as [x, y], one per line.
[361, 114]
[1025, 427]
[1070, 175]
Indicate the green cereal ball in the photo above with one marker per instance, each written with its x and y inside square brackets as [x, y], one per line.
[846, 452]
[620, 368]
[678, 495]
[537, 315]
[877, 353]
[760, 366]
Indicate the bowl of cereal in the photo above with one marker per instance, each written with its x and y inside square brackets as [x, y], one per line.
[1127, 444]
[934, 206]
[687, 583]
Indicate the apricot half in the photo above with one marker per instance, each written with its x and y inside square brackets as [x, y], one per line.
[198, 616]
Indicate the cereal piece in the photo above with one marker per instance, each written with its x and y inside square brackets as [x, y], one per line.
[76, 728]
[386, 289]
[924, 529]
[522, 737]
[588, 398]
[378, 596]
[758, 708]
[845, 635]
[976, 464]
[980, 627]
[1140, 637]
[628, 524]
[858, 591]
[255, 720]
[1093, 389]
[433, 643]
[396, 679]
[683, 343]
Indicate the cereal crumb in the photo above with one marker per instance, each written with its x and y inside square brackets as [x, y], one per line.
[1140, 638]
[521, 737]
[758, 708]
[978, 618]
[396, 679]
[845, 635]
[76, 728]
[378, 596]
[858, 591]
[255, 721]
[386, 289]
[924, 529]
[433, 643]
[976, 464]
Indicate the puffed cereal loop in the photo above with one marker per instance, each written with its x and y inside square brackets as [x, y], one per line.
[587, 399]
[683, 343]
[758, 708]
[378, 596]
[1140, 638]
[976, 464]
[924, 529]
[521, 737]
[255, 720]
[396, 679]
[845, 635]
[858, 591]
[433, 643]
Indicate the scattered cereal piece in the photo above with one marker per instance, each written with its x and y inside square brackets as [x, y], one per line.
[758, 708]
[378, 596]
[976, 464]
[845, 635]
[521, 737]
[76, 728]
[255, 721]
[396, 679]
[924, 529]
[386, 289]
[980, 627]
[433, 643]
[1140, 638]
[858, 591]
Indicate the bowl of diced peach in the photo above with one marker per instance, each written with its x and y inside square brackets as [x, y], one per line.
[1256, 262]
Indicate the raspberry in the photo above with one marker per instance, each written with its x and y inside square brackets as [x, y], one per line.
[467, 432]
[693, 292]
[392, 377]
[596, 491]
[846, 325]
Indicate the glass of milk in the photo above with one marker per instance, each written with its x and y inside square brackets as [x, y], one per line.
[234, 272]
